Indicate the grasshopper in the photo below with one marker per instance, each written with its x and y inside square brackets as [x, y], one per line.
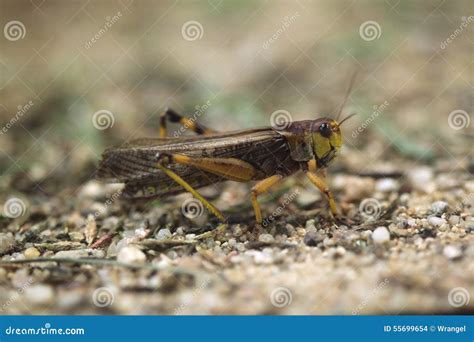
[165, 166]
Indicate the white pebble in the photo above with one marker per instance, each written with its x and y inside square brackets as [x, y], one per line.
[452, 252]
[92, 189]
[439, 207]
[39, 294]
[436, 221]
[386, 185]
[163, 234]
[267, 238]
[421, 178]
[131, 254]
[381, 235]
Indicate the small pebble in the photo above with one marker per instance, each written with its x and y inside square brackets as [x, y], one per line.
[436, 221]
[301, 231]
[310, 225]
[266, 238]
[163, 234]
[439, 207]
[386, 185]
[421, 178]
[31, 253]
[381, 235]
[73, 254]
[452, 252]
[131, 254]
[39, 294]
[307, 198]
[339, 251]
[454, 219]
[92, 189]
[312, 238]
[76, 236]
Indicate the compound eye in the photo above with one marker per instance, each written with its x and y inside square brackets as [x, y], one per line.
[325, 130]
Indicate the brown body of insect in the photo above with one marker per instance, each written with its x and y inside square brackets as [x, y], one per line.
[165, 166]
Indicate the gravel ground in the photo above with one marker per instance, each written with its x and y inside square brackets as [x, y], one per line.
[405, 251]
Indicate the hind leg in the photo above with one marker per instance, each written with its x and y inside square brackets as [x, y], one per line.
[172, 116]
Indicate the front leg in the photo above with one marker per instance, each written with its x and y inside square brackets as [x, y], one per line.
[318, 178]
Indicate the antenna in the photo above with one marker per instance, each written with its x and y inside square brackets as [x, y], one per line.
[346, 118]
[348, 93]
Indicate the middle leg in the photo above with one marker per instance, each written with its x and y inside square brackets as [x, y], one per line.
[260, 188]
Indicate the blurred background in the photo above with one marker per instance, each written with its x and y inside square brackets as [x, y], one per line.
[241, 61]
[78, 76]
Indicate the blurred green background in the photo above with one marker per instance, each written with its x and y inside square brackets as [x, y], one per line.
[245, 60]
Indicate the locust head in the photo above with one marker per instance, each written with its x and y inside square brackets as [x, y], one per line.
[327, 139]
